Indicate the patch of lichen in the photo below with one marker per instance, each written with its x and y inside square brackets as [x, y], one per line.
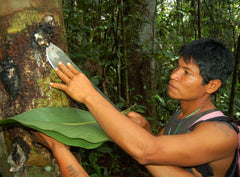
[51, 97]
[46, 5]
[21, 19]
[41, 163]
[38, 158]
[39, 172]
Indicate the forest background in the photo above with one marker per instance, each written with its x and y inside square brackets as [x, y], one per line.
[129, 48]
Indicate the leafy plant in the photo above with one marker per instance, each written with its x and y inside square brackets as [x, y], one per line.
[70, 126]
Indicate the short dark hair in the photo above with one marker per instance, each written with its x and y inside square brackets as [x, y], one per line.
[214, 60]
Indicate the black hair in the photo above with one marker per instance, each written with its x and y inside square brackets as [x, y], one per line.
[214, 60]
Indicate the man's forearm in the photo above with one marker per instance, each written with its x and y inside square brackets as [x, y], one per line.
[128, 135]
[69, 165]
[124, 132]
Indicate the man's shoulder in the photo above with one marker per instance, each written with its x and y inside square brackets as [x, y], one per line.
[217, 131]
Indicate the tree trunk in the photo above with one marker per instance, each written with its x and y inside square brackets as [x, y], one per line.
[234, 78]
[142, 70]
[26, 28]
[199, 19]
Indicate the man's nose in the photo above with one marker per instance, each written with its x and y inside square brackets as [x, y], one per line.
[175, 74]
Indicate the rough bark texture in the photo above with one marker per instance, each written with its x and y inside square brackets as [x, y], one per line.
[25, 77]
[142, 70]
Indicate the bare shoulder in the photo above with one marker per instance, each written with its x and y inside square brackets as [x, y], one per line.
[221, 143]
[224, 128]
[208, 142]
[218, 132]
[219, 127]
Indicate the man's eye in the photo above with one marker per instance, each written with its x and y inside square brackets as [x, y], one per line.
[186, 72]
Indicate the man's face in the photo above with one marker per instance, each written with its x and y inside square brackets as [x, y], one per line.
[186, 82]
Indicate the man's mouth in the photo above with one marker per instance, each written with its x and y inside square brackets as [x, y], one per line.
[171, 86]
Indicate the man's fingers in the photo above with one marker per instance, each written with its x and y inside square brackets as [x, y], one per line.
[132, 114]
[65, 70]
[72, 69]
[59, 86]
[62, 75]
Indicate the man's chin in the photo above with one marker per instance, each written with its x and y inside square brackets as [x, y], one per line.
[171, 94]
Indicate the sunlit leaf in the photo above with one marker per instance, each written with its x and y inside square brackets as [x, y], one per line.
[70, 126]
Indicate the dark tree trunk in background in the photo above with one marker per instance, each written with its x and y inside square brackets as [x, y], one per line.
[199, 19]
[234, 78]
[142, 70]
[25, 77]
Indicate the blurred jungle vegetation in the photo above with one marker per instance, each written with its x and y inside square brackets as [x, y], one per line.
[128, 48]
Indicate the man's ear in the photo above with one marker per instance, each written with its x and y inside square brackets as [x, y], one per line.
[213, 86]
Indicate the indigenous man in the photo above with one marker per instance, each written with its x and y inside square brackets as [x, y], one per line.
[181, 148]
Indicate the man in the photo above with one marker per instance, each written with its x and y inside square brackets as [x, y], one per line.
[178, 150]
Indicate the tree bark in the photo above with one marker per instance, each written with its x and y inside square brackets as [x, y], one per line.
[142, 70]
[199, 19]
[25, 77]
[234, 78]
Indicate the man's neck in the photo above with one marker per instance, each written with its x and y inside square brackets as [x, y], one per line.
[188, 107]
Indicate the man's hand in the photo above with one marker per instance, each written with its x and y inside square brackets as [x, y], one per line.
[47, 141]
[77, 85]
[140, 120]
[69, 165]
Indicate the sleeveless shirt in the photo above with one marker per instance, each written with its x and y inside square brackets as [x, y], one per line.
[172, 127]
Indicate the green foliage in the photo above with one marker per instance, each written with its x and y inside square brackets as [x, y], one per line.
[103, 40]
[109, 160]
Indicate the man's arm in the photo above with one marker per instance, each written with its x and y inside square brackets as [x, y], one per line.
[156, 170]
[69, 165]
[116, 125]
[195, 148]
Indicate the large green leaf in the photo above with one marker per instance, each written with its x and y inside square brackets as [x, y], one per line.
[70, 126]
